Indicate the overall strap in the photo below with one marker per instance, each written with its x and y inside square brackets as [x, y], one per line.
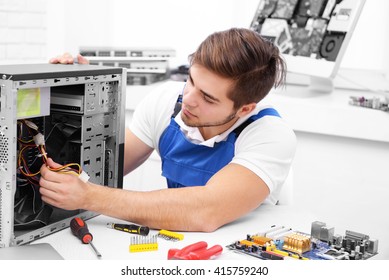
[262, 113]
[177, 107]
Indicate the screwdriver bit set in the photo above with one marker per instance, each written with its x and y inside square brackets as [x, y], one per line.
[143, 243]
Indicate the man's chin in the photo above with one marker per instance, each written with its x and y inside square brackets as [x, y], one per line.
[188, 123]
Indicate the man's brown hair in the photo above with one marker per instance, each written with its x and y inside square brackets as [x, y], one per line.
[252, 62]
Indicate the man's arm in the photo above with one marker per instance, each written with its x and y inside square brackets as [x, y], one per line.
[135, 152]
[229, 194]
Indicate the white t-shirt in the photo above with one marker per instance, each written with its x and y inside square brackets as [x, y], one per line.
[266, 146]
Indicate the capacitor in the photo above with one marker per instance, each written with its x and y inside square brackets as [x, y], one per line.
[344, 243]
[352, 245]
[352, 256]
[362, 248]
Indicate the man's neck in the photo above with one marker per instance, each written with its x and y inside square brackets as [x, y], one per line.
[212, 131]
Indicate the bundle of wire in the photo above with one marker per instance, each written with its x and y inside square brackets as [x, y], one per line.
[30, 211]
[37, 142]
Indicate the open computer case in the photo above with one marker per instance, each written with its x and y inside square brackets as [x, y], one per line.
[73, 114]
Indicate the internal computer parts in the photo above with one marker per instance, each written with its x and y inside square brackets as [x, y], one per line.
[73, 114]
[322, 243]
[310, 28]
[376, 103]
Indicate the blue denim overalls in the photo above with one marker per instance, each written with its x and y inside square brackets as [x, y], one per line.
[187, 164]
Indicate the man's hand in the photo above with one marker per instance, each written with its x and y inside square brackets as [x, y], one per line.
[61, 190]
[67, 58]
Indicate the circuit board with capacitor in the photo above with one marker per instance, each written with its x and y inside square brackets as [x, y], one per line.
[281, 243]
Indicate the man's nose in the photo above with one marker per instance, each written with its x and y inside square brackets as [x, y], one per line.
[190, 98]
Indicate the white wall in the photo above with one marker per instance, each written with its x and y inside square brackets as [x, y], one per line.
[181, 25]
[72, 24]
[23, 31]
[35, 30]
[184, 24]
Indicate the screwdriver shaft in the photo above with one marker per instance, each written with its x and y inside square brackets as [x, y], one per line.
[94, 249]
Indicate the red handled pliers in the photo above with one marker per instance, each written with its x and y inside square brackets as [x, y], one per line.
[195, 251]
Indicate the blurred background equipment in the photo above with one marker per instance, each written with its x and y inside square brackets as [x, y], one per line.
[144, 65]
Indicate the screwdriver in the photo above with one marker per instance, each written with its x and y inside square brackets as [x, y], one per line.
[80, 229]
[130, 228]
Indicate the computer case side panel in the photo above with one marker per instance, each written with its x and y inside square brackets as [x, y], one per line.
[80, 112]
[7, 161]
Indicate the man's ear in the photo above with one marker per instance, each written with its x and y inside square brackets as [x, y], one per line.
[246, 109]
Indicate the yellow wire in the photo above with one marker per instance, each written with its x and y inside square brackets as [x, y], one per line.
[65, 169]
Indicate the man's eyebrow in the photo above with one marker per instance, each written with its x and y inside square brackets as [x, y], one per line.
[203, 92]
[210, 96]
[190, 77]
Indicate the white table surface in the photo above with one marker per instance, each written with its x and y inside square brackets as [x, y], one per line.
[114, 244]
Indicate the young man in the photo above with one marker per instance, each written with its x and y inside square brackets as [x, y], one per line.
[222, 152]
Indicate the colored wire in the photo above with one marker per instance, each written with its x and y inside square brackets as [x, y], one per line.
[70, 168]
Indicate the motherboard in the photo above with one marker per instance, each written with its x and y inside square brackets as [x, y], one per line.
[282, 243]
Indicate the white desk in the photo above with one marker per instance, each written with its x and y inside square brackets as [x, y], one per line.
[113, 244]
[330, 113]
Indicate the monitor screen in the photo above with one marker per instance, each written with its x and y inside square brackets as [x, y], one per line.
[312, 34]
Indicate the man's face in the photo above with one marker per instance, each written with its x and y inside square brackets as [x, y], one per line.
[205, 103]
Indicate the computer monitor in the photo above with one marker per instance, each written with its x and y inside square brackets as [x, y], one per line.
[312, 35]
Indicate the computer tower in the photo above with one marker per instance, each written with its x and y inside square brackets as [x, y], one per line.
[78, 112]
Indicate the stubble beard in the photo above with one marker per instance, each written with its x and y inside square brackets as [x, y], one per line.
[205, 124]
